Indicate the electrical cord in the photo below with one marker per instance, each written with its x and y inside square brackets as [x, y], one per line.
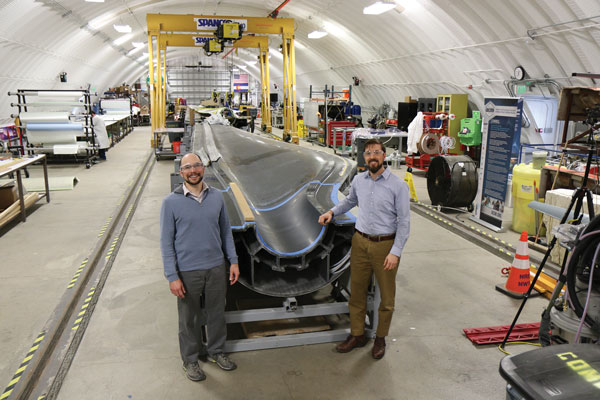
[507, 353]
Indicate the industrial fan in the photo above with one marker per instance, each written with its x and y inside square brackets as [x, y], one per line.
[452, 181]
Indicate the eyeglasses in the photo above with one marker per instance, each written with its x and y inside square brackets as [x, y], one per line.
[374, 152]
[188, 167]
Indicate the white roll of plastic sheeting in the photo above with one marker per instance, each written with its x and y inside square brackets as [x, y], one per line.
[50, 93]
[44, 117]
[115, 104]
[76, 126]
[67, 148]
[51, 137]
[75, 95]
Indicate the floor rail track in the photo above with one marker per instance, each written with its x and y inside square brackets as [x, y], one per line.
[43, 377]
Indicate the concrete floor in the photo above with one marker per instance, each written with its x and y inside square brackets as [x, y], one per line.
[130, 348]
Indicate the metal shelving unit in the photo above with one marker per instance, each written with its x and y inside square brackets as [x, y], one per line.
[196, 84]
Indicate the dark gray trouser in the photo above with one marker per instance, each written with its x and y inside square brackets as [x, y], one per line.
[211, 283]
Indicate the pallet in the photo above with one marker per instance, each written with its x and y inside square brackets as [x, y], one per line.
[496, 334]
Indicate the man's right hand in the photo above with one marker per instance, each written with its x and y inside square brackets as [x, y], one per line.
[177, 288]
[324, 219]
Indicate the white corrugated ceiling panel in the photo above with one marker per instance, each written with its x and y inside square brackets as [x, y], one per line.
[430, 47]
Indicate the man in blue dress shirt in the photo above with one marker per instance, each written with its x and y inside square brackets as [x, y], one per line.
[382, 229]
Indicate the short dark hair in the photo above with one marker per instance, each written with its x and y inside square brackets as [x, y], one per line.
[374, 141]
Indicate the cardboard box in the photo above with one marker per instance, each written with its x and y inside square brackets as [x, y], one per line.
[8, 195]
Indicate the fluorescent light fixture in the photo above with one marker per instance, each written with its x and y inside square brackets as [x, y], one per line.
[379, 7]
[122, 39]
[134, 50]
[143, 56]
[122, 28]
[138, 44]
[250, 62]
[317, 34]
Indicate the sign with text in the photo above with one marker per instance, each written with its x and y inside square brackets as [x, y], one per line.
[200, 40]
[501, 134]
[211, 24]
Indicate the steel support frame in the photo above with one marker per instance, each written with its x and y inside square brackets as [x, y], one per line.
[265, 94]
[157, 71]
[259, 42]
[300, 339]
[165, 23]
[290, 117]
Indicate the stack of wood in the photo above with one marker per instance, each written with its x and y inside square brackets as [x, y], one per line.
[14, 210]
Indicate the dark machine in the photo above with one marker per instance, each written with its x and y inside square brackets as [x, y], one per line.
[452, 181]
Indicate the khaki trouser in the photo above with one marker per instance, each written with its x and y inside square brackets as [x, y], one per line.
[366, 259]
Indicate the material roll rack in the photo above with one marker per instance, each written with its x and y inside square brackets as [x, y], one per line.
[57, 123]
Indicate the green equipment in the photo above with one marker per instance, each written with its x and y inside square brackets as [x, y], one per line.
[470, 130]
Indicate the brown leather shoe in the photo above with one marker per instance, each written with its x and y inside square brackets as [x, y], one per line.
[378, 348]
[351, 342]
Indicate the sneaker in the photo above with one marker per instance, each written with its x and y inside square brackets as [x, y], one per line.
[222, 361]
[193, 371]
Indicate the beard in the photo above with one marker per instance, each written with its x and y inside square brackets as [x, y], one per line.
[194, 183]
[374, 167]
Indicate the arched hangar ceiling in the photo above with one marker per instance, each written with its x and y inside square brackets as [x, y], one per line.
[419, 49]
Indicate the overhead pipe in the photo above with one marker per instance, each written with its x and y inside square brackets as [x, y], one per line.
[532, 32]
[275, 12]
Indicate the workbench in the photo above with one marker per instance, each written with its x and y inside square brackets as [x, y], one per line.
[567, 178]
[15, 167]
[159, 135]
[117, 125]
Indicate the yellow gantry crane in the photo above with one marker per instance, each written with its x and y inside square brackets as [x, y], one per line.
[188, 28]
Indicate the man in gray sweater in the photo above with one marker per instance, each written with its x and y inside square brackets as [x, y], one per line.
[196, 245]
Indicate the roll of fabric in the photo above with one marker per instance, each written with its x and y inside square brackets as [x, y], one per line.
[51, 137]
[62, 95]
[66, 148]
[77, 126]
[116, 104]
[44, 117]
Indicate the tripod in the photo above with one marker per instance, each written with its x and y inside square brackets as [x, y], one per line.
[577, 202]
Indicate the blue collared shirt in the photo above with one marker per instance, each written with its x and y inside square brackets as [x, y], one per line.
[383, 206]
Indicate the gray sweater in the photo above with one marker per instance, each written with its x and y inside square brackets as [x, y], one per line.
[194, 235]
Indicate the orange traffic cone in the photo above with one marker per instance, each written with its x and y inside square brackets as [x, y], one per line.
[518, 277]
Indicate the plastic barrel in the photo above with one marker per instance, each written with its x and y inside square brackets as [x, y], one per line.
[176, 147]
[523, 191]
[452, 181]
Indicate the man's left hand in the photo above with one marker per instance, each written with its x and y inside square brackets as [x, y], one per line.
[391, 262]
[234, 273]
